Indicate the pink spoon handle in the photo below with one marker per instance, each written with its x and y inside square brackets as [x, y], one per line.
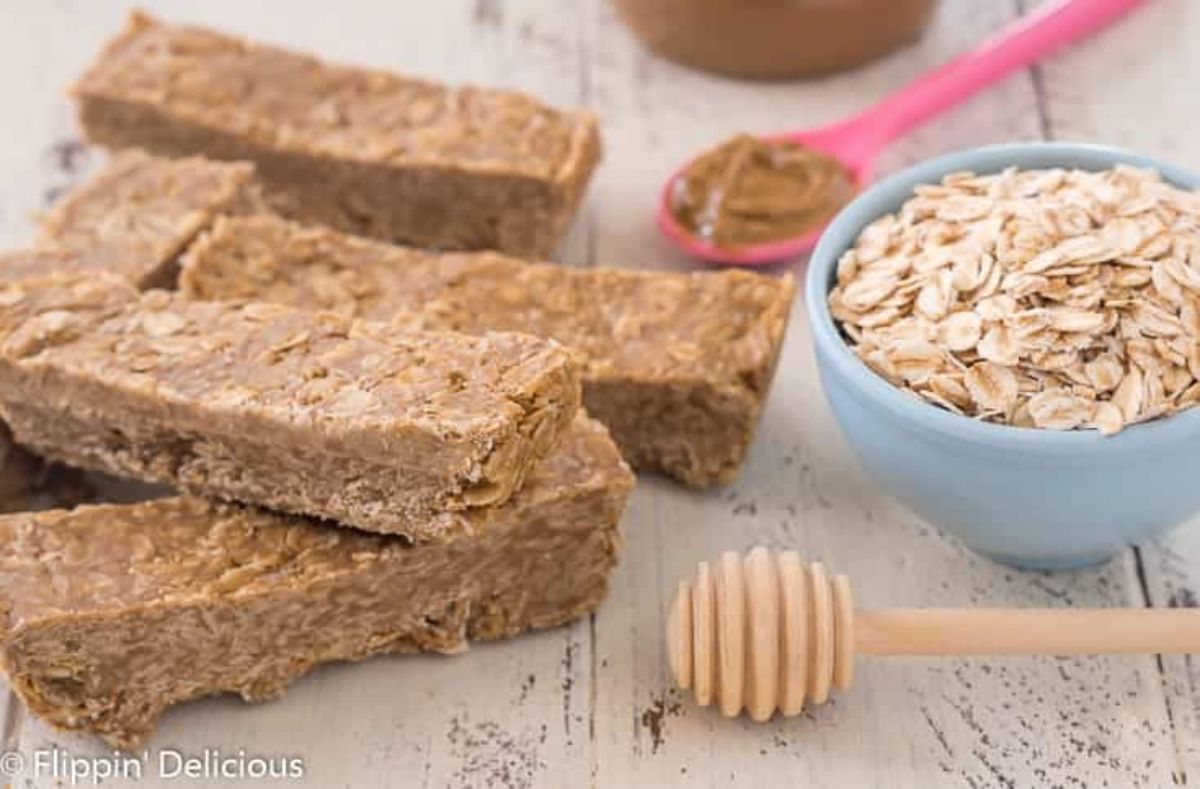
[1016, 46]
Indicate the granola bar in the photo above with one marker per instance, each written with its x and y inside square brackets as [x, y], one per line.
[111, 614]
[678, 365]
[303, 412]
[365, 151]
[134, 218]
[19, 473]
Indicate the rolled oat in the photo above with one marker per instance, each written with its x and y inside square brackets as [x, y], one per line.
[1058, 299]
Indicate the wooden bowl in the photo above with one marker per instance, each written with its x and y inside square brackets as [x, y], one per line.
[774, 39]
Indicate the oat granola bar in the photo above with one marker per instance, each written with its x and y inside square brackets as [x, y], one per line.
[134, 218]
[19, 473]
[678, 365]
[299, 411]
[365, 151]
[111, 614]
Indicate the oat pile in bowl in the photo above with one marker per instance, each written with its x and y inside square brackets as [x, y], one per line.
[1052, 298]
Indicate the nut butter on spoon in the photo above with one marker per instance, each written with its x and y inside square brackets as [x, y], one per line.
[755, 200]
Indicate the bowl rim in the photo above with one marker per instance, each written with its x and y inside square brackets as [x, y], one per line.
[886, 196]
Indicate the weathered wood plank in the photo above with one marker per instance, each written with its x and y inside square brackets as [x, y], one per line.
[915, 723]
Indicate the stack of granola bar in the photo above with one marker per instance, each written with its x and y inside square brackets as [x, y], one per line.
[380, 448]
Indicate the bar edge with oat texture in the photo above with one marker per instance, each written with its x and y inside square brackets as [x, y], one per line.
[134, 218]
[303, 412]
[169, 600]
[678, 365]
[366, 151]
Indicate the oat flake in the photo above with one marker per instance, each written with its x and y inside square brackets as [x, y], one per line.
[1058, 299]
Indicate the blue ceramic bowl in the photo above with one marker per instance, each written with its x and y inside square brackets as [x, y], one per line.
[1032, 498]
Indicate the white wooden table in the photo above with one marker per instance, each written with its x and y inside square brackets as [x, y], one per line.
[589, 704]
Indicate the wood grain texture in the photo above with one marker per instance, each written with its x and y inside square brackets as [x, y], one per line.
[588, 704]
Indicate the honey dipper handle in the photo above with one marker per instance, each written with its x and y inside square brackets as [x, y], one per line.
[1017, 631]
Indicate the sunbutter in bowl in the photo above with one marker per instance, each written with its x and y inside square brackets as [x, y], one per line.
[1007, 338]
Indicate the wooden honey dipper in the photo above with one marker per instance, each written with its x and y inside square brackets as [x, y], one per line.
[765, 632]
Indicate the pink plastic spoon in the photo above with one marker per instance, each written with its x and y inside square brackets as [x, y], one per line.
[855, 142]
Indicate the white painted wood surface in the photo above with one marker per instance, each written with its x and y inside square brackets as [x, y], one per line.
[588, 704]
